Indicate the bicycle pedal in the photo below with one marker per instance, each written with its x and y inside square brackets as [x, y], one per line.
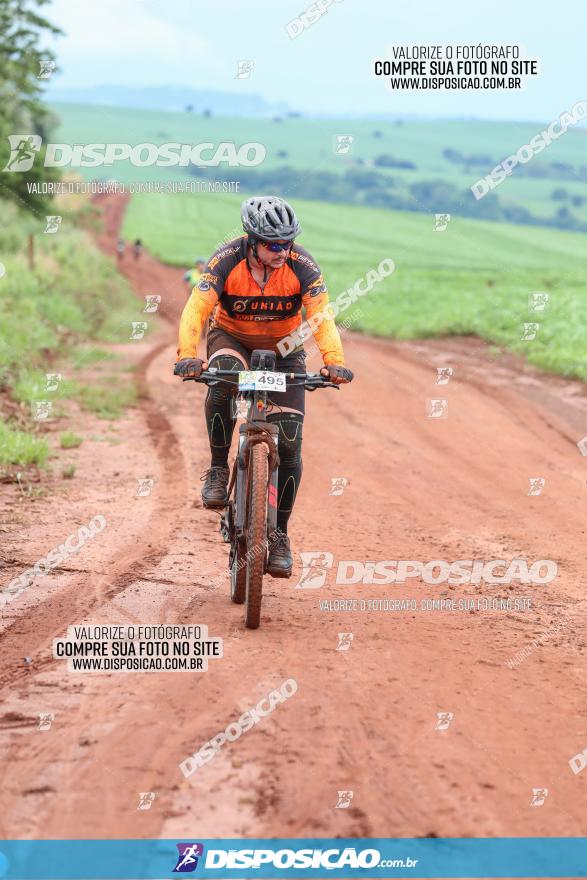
[224, 530]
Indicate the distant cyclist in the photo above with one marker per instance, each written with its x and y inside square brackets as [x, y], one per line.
[120, 248]
[137, 248]
[193, 275]
[259, 283]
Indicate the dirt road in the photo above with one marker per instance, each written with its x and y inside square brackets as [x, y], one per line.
[364, 719]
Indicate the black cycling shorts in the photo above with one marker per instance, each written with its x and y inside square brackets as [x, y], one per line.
[294, 396]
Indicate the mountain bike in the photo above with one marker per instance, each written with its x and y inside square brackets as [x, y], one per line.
[249, 520]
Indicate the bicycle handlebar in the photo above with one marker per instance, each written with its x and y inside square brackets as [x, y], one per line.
[311, 381]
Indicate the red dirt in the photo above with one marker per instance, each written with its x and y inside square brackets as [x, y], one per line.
[362, 719]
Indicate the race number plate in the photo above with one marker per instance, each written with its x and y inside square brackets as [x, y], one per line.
[261, 380]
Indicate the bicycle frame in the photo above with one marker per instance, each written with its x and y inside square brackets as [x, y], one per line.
[241, 521]
[256, 415]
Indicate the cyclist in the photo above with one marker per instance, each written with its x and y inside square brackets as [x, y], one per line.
[137, 248]
[193, 275]
[258, 284]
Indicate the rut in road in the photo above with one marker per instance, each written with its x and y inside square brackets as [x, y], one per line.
[45, 621]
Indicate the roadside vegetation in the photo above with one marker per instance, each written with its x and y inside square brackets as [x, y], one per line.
[53, 316]
[59, 295]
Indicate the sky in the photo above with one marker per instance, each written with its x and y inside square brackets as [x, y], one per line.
[328, 67]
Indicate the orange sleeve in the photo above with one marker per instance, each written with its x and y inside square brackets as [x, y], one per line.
[323, 327]
[315, 301]
[195, 313]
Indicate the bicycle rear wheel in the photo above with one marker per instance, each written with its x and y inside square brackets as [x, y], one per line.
[256, 533]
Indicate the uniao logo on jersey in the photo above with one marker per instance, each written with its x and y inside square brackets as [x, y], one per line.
[188, 855]
[261, 308]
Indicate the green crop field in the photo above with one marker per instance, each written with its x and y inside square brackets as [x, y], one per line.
[308, 144]
[475, 277]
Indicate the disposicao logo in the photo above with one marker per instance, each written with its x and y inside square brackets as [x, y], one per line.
[24, 147]
[188, 855]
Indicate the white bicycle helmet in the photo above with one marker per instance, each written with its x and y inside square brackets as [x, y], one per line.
[269, 218]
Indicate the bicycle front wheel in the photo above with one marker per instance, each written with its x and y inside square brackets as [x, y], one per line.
[238, 573]
[256, 533]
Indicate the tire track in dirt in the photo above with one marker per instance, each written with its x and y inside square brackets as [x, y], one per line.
[45, 621]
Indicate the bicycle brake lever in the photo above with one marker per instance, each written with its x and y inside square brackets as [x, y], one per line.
[322, 385]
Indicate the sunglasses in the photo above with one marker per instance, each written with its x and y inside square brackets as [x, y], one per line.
[275, 247]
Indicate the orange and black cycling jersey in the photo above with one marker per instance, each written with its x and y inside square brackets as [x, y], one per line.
[259, 318]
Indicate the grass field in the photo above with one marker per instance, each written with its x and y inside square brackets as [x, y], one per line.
[475, 277]
[308, 144]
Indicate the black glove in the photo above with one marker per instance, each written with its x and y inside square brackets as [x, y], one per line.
[189, 367]
[336, 373]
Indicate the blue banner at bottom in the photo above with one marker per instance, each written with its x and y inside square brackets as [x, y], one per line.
[304, 857]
